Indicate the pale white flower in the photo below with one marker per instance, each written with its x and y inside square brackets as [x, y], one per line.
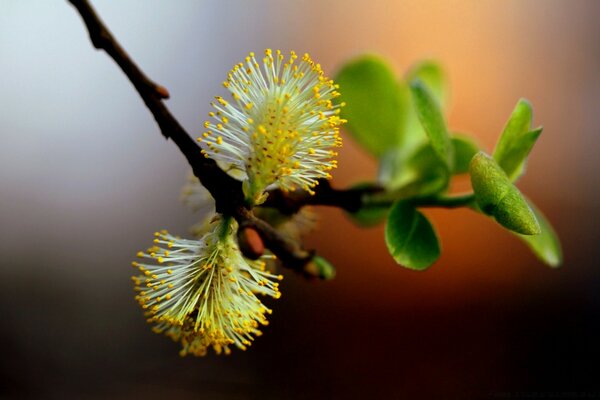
[203, 292]
[281, 126]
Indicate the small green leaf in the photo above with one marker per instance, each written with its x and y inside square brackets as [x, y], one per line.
[392, 167]
[375, 106]
[464, 150]
[414, 135]
[410, 237]
[514, 162]
[320, 268]
[370, 214]
[546, 245]
[432, 120]
[516, 141]
[498, 197]
[423, 170]
[432, 75]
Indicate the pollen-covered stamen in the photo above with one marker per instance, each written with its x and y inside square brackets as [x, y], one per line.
[203, 293]
[281, 125]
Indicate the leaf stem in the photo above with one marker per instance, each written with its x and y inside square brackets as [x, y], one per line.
[387, 199]
[455, 201]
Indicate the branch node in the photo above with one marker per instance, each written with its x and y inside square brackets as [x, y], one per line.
[162, 92]
[250, 243]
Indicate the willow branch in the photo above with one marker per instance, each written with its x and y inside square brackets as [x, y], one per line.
[226, 191]
[290, 253]
[350, 200]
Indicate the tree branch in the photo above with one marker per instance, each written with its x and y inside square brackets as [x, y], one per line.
[288, 251]
[350, 200]
[226, 190]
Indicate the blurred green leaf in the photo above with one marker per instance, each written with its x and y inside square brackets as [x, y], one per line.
[320, 268]
[410, 237]
[424, 171]
[464, 150]
[375, 106]
[432, 75]
[546, 246]
[431, 118]
[516, 141]
[422, 174]
[414, 134]
[498, 197]
[369, 215]
[392, 167]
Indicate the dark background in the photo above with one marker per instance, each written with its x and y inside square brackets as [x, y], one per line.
[86, 178]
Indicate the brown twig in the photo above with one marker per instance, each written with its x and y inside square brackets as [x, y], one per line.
[291, 254]
[226, 191]
[350, 200]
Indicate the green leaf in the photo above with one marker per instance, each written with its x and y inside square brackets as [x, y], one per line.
[392, 168]
[546, 246]
[433, 78]
[430, 174]
[320, 268]
[414, 135]
[464, 150]
[423, 170]
[432, 75]
[498, 197]
[370, 214]
[432, 120]
[410, 237]
[375, 106]
[516, 141]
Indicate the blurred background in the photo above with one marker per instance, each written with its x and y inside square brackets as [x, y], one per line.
[86, 178]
